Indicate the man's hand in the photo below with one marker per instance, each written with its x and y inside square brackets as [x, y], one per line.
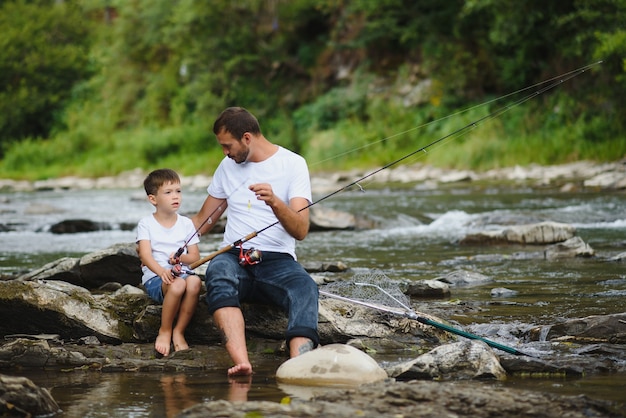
[264, 192]
[293, 216]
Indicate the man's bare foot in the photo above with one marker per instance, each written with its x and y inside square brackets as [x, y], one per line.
[243, 369]
[163, 343]
[179, 342]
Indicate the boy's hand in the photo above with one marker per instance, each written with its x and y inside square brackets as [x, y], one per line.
[174, 259]
[167, 276]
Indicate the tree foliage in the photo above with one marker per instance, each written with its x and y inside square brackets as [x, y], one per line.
[44, 52]
[96, 73]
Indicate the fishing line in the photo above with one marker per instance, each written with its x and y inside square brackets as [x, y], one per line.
[209, 221]
[569, 75]
[458, 132]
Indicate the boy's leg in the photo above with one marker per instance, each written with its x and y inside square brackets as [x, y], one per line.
[171, 303]
[187, 308]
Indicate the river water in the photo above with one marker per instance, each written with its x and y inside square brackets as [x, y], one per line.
[418, 238]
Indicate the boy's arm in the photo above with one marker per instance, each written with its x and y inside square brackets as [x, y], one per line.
[145, 255]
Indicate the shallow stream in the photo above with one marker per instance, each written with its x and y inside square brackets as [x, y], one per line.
[418, 238]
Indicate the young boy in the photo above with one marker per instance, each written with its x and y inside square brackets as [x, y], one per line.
[159, 236]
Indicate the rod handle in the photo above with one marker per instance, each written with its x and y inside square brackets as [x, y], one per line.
[211, 256]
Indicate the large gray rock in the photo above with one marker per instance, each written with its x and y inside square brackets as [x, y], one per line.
[56, 307]
[590, 329]
[119, 263]
[535, 234]
[322, 218]
[573, 247]
[469, 359]
[464, 278]
[428, 289]
[327, 219]
[128, 315]
[20, 397]
[331, 365]
[354, 321]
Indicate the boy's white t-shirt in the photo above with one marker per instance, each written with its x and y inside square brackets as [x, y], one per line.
[164, 241]
[288, 175]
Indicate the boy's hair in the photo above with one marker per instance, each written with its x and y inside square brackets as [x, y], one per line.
[158, 178]
[236, 121]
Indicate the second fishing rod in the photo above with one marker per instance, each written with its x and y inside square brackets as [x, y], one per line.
[253, 256]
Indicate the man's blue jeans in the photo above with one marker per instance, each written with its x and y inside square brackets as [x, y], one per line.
[277, 280]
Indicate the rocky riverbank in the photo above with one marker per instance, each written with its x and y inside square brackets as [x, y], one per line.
[573, 176]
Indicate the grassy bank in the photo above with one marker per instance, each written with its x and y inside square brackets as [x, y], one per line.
[380, 133]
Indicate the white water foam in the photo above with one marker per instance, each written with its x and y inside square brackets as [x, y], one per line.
[451, 225]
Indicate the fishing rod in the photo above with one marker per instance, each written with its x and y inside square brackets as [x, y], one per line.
[472, 125]
[208, 220]
[178, 267]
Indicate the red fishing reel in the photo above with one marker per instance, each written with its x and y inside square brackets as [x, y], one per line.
[177, 270]
[249, 257]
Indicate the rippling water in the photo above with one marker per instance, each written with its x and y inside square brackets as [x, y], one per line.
[417, 239]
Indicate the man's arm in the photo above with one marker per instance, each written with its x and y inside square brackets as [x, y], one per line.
[293, 216]
[212, 208]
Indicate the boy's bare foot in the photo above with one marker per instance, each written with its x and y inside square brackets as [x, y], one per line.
[179, 342]
[163, 343]
[244, 369]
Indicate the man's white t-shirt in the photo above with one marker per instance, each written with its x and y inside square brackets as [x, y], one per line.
[288, 175]
[164, 241]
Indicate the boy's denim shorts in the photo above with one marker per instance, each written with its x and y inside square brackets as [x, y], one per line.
[154, 288]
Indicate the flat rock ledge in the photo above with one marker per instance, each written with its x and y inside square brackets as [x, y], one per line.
[414, 399]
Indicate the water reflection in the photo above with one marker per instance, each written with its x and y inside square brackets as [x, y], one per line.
[176, 394]
[150, 394]
[179, 391]
[238, 388]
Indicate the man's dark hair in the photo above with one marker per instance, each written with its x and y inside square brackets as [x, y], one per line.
[236, 121]
[158, 178]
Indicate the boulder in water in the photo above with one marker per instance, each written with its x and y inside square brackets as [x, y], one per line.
[331, 365]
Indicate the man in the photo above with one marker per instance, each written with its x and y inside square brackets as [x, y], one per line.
[262, 184]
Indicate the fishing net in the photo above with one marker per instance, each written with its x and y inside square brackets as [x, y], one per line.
[370, 286]
[375, 290]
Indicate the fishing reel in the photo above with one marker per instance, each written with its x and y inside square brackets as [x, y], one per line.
[249, 257]
[179, 269]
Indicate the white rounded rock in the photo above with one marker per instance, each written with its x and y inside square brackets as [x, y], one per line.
[331, 365]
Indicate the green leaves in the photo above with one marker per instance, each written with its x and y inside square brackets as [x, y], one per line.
[44, 52]
[90, 74]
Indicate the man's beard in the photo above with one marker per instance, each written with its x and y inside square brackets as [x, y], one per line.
[242, 157]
